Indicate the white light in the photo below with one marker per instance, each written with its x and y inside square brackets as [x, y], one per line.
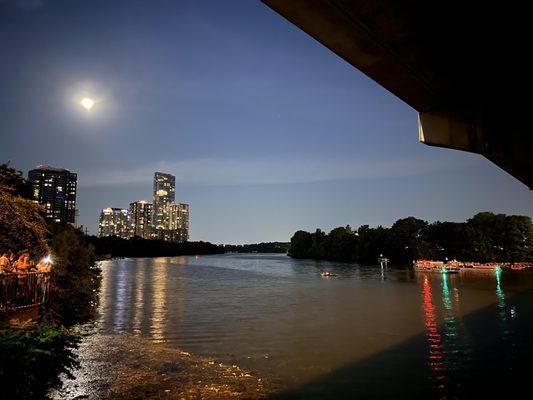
[47, 259]
[87, 103]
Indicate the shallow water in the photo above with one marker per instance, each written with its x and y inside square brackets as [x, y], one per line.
[363, 332]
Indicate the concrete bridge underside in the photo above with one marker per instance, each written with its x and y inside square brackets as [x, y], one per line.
[464, 66]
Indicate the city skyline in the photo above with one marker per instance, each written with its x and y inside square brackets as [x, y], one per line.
[267, 131]
[163, 219]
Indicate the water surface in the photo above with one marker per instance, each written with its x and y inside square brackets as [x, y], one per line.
[365, 332]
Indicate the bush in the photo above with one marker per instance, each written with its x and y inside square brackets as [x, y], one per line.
[31, 361]
[75, 279]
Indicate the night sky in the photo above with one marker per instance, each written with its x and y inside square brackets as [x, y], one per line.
[266, 130]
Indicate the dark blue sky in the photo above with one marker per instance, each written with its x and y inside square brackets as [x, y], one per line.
[266, 130]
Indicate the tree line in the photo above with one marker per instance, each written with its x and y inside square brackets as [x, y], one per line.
[485, 237]
[113, 246]
[263, 247]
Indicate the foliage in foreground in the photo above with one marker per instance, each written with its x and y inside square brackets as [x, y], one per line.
[31, 361]
[14, 180]
[75, 278]
[484, 237]
[21, 225]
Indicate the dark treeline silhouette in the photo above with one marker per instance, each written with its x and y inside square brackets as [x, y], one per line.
[485, 237]
[138, 247]
[263, 247]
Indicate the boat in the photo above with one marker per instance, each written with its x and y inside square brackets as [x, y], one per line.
[450, 270]
[520, 266]
[327, 273]
[451, 267]
[428, 265]
[485, 266]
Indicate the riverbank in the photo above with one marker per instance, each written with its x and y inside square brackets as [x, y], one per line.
[126, 366]
[115, 247]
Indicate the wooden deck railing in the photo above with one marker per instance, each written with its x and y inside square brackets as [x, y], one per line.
[20, 291]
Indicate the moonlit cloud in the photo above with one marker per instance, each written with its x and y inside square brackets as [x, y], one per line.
[221, 172]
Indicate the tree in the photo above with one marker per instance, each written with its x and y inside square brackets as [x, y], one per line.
[318, 243]
[301, 242]
[75, 278]
[21, 225]
[485, 236]
[13, 179]
[518, 238]
[407, 240]
[341, 244]
[447, 240]
[372, 243]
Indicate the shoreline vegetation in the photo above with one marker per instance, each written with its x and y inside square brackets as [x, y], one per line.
[486, 237]
[34, 354]
[263, 247]
[115, 247]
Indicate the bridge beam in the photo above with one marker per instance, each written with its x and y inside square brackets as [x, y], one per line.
[461, 65]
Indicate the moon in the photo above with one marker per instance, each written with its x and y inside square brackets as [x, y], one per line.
[87, 103]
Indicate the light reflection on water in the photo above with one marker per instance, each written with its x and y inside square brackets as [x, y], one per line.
[280, 318]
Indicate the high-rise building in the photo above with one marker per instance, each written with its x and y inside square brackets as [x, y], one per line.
[115, 222]
[141, 214]
[55, 189]
[179, 222]
[164, 196]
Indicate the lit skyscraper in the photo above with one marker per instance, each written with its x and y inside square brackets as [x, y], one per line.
[179, 222]
[141, 214]
[55, 189]
[164, 196]
[115, 222]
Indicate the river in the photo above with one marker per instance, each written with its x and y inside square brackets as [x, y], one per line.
[365, 332]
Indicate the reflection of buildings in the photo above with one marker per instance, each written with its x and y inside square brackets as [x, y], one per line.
[159, 303]
[141, 214]
[144, 296]
[139, 300]
[55, 189]
[104, 293]
[115, 222]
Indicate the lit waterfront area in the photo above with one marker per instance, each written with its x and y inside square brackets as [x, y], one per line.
[307, 336]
